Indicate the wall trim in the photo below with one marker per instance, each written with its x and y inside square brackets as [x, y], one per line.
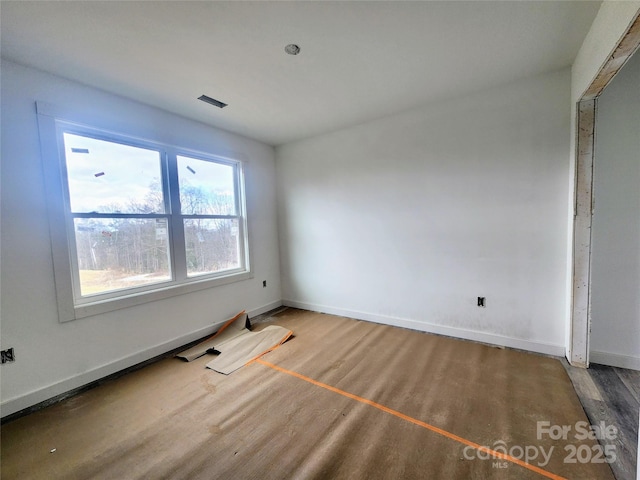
[615, 360]
[625, 49]
[583, 214]
[492, 339]
[16, 404]
[580, 321]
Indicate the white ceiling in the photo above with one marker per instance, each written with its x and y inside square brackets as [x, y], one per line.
[359, 60]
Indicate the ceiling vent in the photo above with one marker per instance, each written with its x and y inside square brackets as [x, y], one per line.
[212, 101]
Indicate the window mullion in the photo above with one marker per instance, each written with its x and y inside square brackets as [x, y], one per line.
[212, 217]
[117, 215]
[242, 214]
[179, 258]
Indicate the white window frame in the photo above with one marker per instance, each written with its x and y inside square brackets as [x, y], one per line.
[71, 305]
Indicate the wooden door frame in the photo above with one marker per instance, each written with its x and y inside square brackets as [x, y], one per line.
[583, 197]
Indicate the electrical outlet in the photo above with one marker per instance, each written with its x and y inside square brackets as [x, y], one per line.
[7, 355]
[481, 302]
[264, 284]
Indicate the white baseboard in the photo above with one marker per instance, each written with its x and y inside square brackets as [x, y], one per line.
[490, 338]
[265, 308]
[16, 404]
[614, 360]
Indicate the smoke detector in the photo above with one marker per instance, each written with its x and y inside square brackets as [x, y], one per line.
[292, 49]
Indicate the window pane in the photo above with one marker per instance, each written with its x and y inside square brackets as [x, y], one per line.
[206, 188]
[108, 177]
[119, 253]
[212, 245]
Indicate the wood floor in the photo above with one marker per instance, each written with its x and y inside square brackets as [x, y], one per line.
[612, 395]
[343, 399]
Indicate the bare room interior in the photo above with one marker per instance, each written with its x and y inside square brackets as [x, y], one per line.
[318, 240]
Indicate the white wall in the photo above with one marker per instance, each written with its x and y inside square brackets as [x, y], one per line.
[615, 232]
[408, 219]
[51, 357]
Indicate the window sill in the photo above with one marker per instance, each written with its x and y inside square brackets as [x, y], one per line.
[104, 306]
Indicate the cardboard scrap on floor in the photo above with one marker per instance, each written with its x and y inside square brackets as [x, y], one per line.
[246, 347]
[231, 329]
[236, 345]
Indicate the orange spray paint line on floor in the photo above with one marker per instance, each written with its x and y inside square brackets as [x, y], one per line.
[415, 421]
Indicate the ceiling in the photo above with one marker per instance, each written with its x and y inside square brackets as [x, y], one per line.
[359, 60]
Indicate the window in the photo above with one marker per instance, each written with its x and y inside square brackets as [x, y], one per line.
[209, 207]
[133, 221]
[118, 216]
